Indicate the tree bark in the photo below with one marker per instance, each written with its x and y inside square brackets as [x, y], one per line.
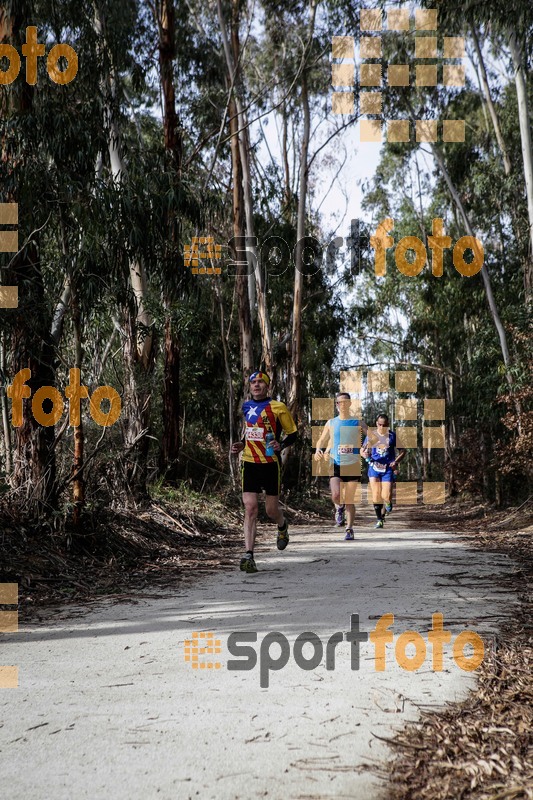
[227, 370]
[527, 155]
[170, 443]
[34, 465]
[5, 414]
[136, 412]
[486, 280]
[167, 54]
[490, 104]
[484, 271]
[256, 288]
[286, 169]
[138, 346]
[78, 484]
[243, 306]
[296, 343]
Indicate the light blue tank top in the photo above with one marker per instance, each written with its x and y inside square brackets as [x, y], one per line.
[346, 441]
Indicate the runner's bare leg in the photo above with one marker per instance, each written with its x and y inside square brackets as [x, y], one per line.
[250, 518]
[386, 491]
[273, 510]
[335, 487]
[350, 515]
[377, 490]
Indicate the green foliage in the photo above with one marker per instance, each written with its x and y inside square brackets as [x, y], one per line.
[88, 230]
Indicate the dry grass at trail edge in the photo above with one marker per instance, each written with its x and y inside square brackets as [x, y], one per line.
[120, 554]
[482, 748]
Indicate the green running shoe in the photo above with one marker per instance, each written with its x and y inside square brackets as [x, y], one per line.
[248, 564]
[379, 524]
[283, 537]
[388, 508]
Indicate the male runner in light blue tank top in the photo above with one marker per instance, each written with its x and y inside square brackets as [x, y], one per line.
[342, 436]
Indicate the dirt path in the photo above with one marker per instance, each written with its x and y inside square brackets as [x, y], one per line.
[108, 706]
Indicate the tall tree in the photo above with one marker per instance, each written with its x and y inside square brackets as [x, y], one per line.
[517, 48]
[34, 465]
[296, 341]
[233, 56]
[165, 20]
[138, 344]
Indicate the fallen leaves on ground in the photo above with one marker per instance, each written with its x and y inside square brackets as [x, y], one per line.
[481, 749]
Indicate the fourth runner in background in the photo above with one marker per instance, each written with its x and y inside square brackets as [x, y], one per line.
[341, 437]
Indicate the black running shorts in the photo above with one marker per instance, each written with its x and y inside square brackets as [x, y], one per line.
[344, 478]
[256, 477]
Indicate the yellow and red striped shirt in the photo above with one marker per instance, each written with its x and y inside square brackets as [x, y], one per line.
[263, 417]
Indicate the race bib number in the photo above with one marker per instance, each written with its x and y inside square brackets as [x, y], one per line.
[379, 467]
[255, 434]
[344, 449]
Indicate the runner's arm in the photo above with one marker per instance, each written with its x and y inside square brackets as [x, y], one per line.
[401, 455]
[289, 439]
[238, 447]
[325, 438]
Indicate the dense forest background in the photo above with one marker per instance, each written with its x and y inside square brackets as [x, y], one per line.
[161, 137]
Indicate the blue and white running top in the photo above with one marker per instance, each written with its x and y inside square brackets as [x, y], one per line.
[384, 448]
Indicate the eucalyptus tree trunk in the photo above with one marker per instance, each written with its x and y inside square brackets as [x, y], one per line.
[170, 443]
[256, 283]
[296, 342]
[484, 272]
[8, 466]
[60, 311]
[287, 193]
[527, 154]
[34, 464]
[241, 283]
[525, 247]
[490, 103]
[504, 347]
[78, 483]
[138, 345]
[70, 296]
[229, 380]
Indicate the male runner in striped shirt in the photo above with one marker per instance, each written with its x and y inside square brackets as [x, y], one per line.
[265, 421]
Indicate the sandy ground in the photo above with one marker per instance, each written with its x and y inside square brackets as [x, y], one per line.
[107, 705]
